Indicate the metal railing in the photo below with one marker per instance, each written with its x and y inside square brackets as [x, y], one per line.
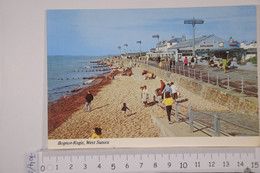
[217, 79]
[217, 119]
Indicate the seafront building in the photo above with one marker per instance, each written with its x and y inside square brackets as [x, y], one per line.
[205, 46]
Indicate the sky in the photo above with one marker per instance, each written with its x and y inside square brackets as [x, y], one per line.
[101, 32]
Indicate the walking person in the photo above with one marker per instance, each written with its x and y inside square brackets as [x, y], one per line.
[224, 62]
[167, 88]
[192, 62]
[145, 96]
[168, 101]
[89, 97]
[124, 109]
[174, 91]
[186, 62]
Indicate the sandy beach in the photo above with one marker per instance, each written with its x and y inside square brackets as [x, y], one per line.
[109, 96]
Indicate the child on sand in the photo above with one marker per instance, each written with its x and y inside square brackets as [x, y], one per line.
[124, 109]
[97, 134]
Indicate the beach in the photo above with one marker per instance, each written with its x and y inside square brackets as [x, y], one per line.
[109, 95]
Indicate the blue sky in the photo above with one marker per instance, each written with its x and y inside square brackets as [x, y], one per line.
[100, 32]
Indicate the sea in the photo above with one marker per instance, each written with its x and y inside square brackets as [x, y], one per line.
[69, 74]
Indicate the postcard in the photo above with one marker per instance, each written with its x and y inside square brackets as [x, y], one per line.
[159, 77]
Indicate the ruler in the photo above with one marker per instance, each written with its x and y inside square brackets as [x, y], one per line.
[145, 160]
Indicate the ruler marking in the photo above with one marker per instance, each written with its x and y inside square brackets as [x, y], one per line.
[56, 158]
[197, 156]
[211, 156]
[148, 155]
[141, 157]
[225, 155]
[169, 156]
[99, 158]
[85, 159]
[183, 156]
[113, 157]
[127, 157]
[70, 158]
[240, 156]
[154, 156]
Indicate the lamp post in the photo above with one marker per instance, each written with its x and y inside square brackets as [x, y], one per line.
[157, 36]
[126, 48]
[140, 42]
[193, 22]
[119, 47]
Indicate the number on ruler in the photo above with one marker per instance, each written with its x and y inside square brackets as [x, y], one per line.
[169, 164]
[211, 164]
[197, 164]
[42, 168]
[71, 166]
[85, 166]
[240, 164]
[141, 165]
[183, 165]
[113, 166]
[126, 166]
[226, 164]
[155, 165]
[255, 165]
[99, 166]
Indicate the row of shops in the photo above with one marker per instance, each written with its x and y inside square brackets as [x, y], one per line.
[205, 47]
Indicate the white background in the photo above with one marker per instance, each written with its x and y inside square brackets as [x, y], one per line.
[23, 86]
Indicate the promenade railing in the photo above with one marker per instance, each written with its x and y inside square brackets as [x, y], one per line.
[217, 121]
[226, 81]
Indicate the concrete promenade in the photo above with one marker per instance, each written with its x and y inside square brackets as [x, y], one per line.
[238, 82]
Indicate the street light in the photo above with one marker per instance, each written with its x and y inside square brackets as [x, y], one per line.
[193, 22]
[140, 42]
[119, 47]
[126, 48]
[157, 36]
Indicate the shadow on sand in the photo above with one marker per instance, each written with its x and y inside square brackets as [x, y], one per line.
[99, 107]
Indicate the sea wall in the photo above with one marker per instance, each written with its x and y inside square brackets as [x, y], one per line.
[229, 98]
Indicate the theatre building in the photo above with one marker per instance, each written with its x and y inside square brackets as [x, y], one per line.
[207, 46]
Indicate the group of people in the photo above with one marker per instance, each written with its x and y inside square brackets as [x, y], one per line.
[169, 94]
[148, 75]
[225, 64]
[192, 62]
[144, 95]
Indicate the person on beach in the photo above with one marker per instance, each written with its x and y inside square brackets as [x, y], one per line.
[174, 91]
[160, 64]
[167, 88]
[145, 96]
[124, 109]
[142, 88]
[192, 62]
[186, 62]
[97, 134]
[168, 101]
[89, 97]
[224, 63]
